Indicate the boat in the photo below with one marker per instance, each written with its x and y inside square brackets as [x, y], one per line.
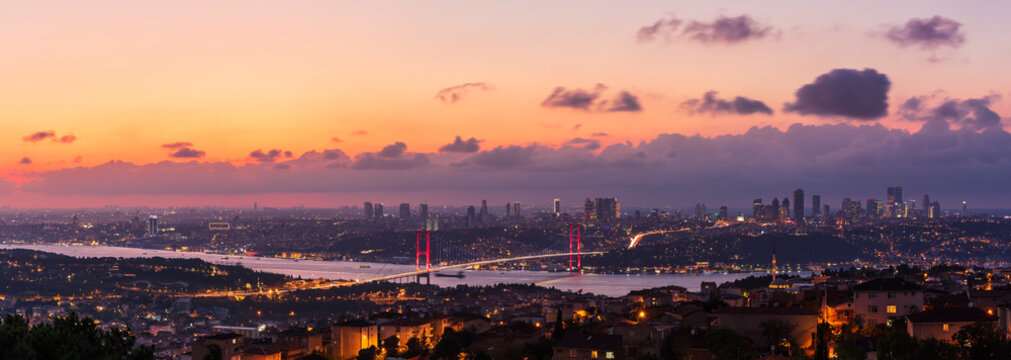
[364, 266]
[459, 275]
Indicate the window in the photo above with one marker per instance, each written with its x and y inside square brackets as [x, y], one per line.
[573, 353]
[891, 295]
[944, 327]
[593, 354]
[609, 355]
[872, 296]
[891, 309]
[872, 309]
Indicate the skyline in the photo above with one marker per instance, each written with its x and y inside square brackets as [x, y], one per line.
[325, 104]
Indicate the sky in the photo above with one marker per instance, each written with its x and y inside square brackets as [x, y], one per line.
[659, 103]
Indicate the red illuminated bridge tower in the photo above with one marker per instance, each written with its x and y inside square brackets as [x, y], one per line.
[428, 255]
[576, 246]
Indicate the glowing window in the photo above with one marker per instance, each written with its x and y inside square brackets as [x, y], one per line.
[891, 309]
[593, 354]
[573, 353]
[609, 355]
[944, 327]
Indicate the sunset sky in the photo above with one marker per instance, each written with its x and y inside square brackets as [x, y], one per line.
[660, 103]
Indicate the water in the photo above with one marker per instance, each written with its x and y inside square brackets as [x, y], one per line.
[602, 284]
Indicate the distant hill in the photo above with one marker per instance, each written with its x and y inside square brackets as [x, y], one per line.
[814, 247]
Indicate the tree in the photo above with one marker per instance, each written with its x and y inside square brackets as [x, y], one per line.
[726, 344]
[392, 346]
[371, 353]
[213, 352]
[676, 345]
[981, 341]
[559, 326]
[414, 347]
[66, 338]
[778, 333]
[822, 337]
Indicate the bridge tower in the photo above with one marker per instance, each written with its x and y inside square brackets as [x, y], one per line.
[576, 245]
[427, 252]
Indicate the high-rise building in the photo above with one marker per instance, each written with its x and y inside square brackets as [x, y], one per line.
[588, 213]
[798, 205]
[557, 206]
[378, 210]
[965, 208]
[935, 210]
[815, 205]
[516, 208]
[369, 212]
[152, 226]
[825, 211]
[423, 211]
[926, 202]
[756, 208]
[483, 213]
[775, 207]
[722, 215]
[873, 208]
[784, 209]
[471, 215]
[606, 209]
[509, 209]
[405, 211]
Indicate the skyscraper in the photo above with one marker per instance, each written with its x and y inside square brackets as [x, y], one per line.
[784, 209]
[815, 205]
[423, 211]
[965, 208]
[606, 209]
[756, 208]
[509, 209]
[516, 208]
[405, 211]
[483, 214]
[588, 213]
[369, 213]
[378, 210]
[722, 214]
[775, 208]
[558, 206]
[798, 205]
[471, 215]
[152, 226]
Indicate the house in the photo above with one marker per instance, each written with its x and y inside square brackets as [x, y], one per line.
[262, 352]
[942, 323]
[405, 329]
[306, 342]
[875, 301]
[748, 322]
[230, 346]
[352, 336]
[575, 346]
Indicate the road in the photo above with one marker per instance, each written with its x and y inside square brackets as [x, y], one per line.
[329, 285]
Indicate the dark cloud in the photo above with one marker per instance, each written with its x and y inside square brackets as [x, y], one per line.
[269, 156]
[835, 160]
[461, 146]
[39, 136]
[740, 105]
[573, 98]
[393, 150]
[591, 100]
[66, 139]
[25, 161]
[453, 94]
[727, 30]
[588, 144]
[927, 33]
[504, 157]
[665, 28]
[972, 114]
[334, 154]
[188, 153]
[177, 145]
[854, 94]
[625, 101]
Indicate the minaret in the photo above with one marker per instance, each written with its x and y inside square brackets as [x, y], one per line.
[773, 263]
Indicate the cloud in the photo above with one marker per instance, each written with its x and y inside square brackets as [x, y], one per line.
[588, 144]
[393, 150]
[599, 134]
[727, 30]
[336, 139]
[972, 114]
[66, 139]
[740, 105]
[269, 156]
[461, 146]
[78, 159]
[187, 153]
[590, 100]
[177, 145]
[849, 93]
[835, 160]
[927, 33]
[665, 28]
[39, 136]
[334, 154]
[25, 161]
[624, 102]
[360, 132]
[453, 94]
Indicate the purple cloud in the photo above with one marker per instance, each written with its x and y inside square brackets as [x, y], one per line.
[665, 28]
[39, 136]
[590, 100]
[177, 145]
[727, 30]
[269, 156]
[849, 93]
[66, 139]
[927, 33]
[453, 94]
[25, 161]
[740, 105]
[461, 146]
[625, 101]
[187, 153]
